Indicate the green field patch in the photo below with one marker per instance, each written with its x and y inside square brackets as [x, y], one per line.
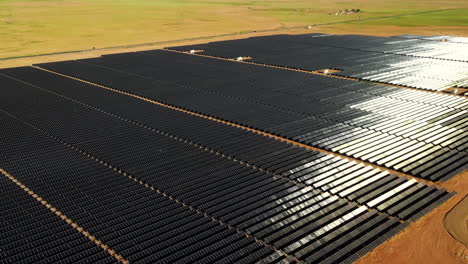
[443, 18]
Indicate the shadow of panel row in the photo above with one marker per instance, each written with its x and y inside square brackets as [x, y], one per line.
[413, 140]
[141, 225]
[334, 175]
[419, 64]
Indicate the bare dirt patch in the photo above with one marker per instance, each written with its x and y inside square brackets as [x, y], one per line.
[456, 221]
[426, 241]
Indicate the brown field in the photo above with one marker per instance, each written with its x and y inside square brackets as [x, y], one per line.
[32, 27]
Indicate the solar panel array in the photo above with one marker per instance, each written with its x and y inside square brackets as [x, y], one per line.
[416, 63]
[113, 159]
[337, 115]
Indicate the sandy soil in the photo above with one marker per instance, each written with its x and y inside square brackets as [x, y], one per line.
[456, 222]
[427, 241]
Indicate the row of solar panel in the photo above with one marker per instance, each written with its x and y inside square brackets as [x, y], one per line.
[390, 45]
[424, 74]
[462, 40]
[416, 96]
[218, 186]
[333, 175]
[414, 63]
[426, 134]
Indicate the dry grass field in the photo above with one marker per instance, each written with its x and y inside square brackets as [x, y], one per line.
[31, 27]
